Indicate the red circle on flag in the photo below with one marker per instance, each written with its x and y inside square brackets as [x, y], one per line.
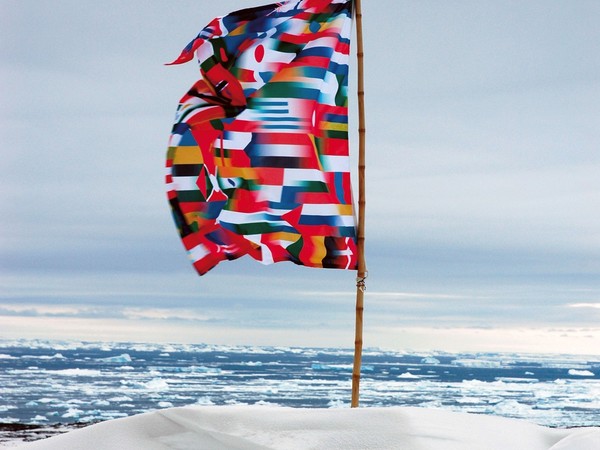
[259, 53]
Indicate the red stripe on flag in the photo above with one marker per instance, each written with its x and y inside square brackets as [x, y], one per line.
[312, 61]
[272, 176]
[191, 207]
[283, 138]
[334, 147]
[244, 201]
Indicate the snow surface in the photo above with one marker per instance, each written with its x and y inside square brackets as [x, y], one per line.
[272, 427]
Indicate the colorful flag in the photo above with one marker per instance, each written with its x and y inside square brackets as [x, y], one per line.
[258, 157]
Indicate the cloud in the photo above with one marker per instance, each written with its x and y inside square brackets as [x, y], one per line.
[585, 305]
[101, 313]
[482, 168]
[62, 311]
[168, 314]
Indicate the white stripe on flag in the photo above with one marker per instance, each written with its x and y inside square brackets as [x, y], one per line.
[332, 163]
[185, 183]
[198, 252]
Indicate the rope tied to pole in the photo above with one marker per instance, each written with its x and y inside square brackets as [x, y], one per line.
[361, 282]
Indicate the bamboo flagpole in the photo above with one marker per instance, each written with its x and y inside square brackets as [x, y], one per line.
[362, 267]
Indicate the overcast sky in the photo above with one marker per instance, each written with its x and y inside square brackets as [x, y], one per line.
[483, 186]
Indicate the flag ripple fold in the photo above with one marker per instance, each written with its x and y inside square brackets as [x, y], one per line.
[258, 158]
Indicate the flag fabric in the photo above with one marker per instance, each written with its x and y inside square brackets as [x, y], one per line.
[258, 156]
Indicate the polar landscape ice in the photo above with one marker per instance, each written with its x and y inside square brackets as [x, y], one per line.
[146, 396]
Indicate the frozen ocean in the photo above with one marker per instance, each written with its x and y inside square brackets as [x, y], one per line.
[49, 385]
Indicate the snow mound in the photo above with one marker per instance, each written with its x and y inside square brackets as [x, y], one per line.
[272, 427]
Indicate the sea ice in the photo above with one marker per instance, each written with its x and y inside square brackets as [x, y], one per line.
[123, 358]
[474, 363]
[430, 360]
[409, 376]
[581, 373]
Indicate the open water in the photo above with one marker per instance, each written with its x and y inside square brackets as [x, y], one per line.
[50, 383]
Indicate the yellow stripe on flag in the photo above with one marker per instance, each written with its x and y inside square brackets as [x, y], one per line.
[334, 126]
[187, 155]
[320, 251]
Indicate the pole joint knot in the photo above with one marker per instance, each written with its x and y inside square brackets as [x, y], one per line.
[360, 282]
